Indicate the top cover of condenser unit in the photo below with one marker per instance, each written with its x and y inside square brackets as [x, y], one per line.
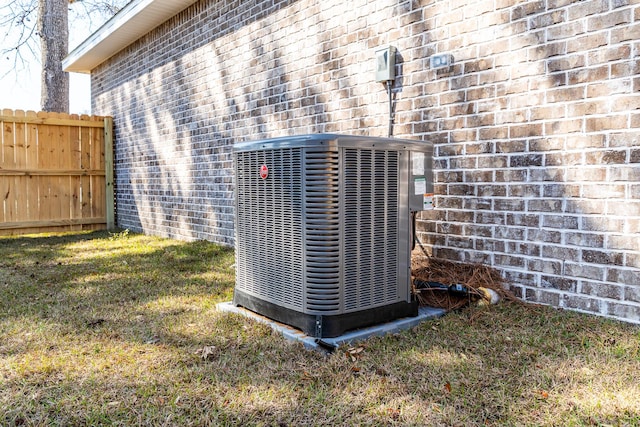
[323, 228]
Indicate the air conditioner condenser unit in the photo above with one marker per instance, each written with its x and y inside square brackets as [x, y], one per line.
[324, 231]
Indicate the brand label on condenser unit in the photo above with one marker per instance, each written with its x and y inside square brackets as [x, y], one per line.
[264, 171]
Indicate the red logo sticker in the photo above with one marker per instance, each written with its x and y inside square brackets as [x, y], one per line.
[264, 171]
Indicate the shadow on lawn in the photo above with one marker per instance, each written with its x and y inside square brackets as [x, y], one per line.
[89, 278]
[105, 329]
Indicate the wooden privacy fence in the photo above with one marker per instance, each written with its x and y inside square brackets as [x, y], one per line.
[56, 172]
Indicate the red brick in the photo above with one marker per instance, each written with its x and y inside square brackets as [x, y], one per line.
[554, 4]
[626, 33]
[585, 271]
[463, 135]
[548, 112]
[452, 124]
[630, 313]
[494, 76]
[526, 9]
[546, 144]
[609, 20]
[452, 97]
[547, 19]
[599, 124]
[580, 173]
[511, 175]
[624, 242]
[587, 42]
[585, 8]
[566, 94]
[461, 109]
[478, 120]
[586, 108]
[508, 58]
[511, 87]
[607, 55]
[490, 105]
[584, 141]
[493, 133]
[562, 159]
[543, 50]
[565, 31]
[507, 117]
[560, 127]
[528, 130]
[626, 103]
[624, 69]
[609, 88]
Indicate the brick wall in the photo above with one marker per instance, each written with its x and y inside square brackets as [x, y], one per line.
[536, 124]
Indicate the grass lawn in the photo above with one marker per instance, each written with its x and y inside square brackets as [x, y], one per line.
[109, 329]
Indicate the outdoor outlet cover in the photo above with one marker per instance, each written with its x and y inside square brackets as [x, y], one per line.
[385, 64]
[443, 60]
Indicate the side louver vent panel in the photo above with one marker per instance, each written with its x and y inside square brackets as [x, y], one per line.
[322, 231]
[269, 223]
[370, 228]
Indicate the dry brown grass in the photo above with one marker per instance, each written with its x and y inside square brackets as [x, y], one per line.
[99, 329]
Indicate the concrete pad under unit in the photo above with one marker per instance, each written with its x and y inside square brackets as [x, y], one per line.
[290, 333]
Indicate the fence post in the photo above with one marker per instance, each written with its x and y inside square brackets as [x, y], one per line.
[108, 166]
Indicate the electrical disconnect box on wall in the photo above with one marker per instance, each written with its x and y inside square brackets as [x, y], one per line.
[386, 64]
[323, 229]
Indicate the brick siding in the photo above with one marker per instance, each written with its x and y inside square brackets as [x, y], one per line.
[536, 124]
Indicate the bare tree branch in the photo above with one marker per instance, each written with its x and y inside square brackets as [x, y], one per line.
[18, 26]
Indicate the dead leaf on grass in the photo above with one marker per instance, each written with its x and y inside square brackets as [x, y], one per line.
[393, 413]
[447, 388]
[207, 352]
[354, 352]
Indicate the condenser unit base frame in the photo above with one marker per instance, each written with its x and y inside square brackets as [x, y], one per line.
[323, 229]
[321, 326]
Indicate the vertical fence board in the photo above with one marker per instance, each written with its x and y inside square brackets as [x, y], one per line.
[5, 153]
[108, 170]
[52, 172]
[20, 142]
[85, 196]
[32, 141]
[4, 194]
[20, 162]
[33, 199]
[31, 151]
[7, 143]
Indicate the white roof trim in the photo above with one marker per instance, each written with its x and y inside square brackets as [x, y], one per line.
[135, 20]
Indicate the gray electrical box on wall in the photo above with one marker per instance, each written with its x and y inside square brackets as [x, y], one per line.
[323, 228]
[385, 64]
